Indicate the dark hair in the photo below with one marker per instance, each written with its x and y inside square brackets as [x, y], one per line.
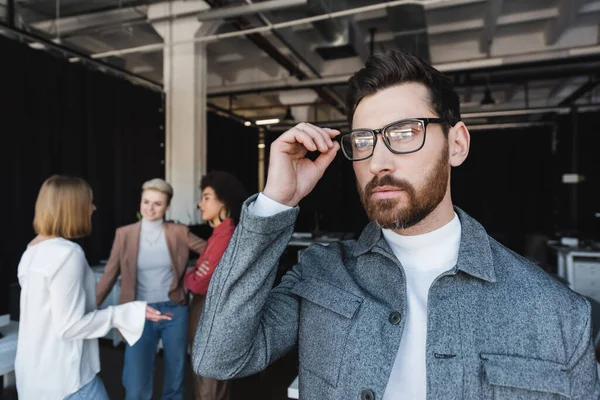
[228, 189]
[394, 68]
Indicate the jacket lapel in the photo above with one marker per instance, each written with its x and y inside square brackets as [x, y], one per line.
[132, 249]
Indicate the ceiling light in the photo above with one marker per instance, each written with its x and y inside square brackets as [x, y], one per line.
[267, 121]
[37, 45]
[247, 123]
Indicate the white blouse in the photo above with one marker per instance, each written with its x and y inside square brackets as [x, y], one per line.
[57, 349]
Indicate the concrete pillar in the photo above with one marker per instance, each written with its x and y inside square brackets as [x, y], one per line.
[184, 79]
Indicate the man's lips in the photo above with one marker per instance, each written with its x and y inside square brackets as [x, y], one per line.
[385, 192]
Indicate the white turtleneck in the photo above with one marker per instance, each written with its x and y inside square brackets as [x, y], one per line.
[423, 258]
[154, 273]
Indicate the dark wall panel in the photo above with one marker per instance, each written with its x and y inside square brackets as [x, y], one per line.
[507, 183]
[233, 147]
[60, 118]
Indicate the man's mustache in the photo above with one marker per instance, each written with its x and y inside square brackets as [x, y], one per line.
[386, 180]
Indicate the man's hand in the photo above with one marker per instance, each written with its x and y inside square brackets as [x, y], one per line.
[292, 176]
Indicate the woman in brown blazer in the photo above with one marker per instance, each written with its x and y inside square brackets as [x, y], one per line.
[151, 256]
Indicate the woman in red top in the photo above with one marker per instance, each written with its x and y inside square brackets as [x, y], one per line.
[221, 204]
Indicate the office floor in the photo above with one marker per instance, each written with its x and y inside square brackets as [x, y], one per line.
[271, 384]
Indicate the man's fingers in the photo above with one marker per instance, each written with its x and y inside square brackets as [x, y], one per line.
[312, 137]
[329, 134]
[324, 159]
[319, 136]
[305, 139]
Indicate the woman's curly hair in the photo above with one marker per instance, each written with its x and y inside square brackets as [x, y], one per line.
[228, 189]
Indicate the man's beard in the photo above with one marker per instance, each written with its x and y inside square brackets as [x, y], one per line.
[389, 214]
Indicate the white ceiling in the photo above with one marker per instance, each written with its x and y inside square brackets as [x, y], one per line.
[463, 35]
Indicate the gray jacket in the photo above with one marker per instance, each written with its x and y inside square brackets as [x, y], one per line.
[498, 326]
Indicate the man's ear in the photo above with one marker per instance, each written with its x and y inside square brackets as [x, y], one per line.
[459, 142]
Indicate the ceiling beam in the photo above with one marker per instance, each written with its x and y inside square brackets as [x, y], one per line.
[247, 9]
[301, 49]
[70, 26]
[492, 13]
[479, 24]
[338, 31]
[378, 14]
[582, 90]
[358, 40]
[293, 68]
[451, 3]
[561, 86]
[548, 65]
[567, 12]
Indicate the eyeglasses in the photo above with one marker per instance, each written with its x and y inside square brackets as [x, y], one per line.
[400, 137]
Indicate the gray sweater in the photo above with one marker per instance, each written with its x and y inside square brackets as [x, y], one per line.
[154, 273]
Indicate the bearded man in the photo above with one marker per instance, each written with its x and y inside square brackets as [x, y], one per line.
[424, 305]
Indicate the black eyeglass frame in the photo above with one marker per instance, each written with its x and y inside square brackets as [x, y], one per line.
[375, 132]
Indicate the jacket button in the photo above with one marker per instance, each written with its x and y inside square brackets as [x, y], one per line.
[394, 318]
[367, 395]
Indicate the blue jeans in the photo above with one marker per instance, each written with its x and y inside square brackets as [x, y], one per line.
[138, 371]
[94, 390]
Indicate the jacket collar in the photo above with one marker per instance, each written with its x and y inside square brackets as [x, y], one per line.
[474, 254]
[224, 227]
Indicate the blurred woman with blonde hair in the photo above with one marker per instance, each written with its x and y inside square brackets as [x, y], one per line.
[151, 256]
[57, 350]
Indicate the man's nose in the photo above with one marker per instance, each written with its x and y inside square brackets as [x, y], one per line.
[382, 159]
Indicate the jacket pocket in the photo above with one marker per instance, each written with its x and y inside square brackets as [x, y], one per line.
[326, 319]
[514, 377]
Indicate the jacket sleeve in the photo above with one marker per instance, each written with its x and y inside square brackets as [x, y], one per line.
[195, 243]
[212, 255]
[111, 271]
[67, 302]
[583, 369]
[190, 282]
[246, 324]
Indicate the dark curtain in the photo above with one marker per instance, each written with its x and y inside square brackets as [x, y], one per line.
[60, 118]
[579, 217]
[509, 183]
[233, 147]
